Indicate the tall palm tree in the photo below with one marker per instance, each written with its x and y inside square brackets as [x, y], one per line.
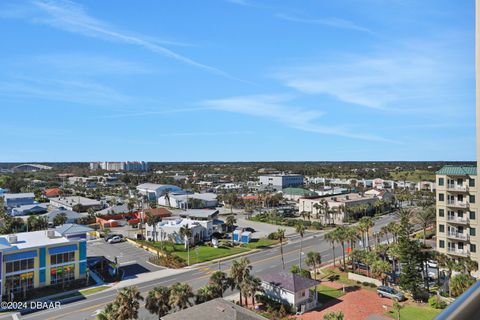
[230, 223]
[365, 224]
[157, 301]
[384, 232]
[317, 208]
[109, 312]
[186, 234]
[240, 270]
[342, 236]
[221, 281]
[300, 229]
[380, 268]
[206, 293]
[128, 302]
[313, 260]
[250, 286]
[425, 217]
[180, 295]
[281, 238]
[153, 220]
[332, 238]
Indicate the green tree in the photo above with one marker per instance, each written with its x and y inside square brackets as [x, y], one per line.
[230, 223]
[425, 217]
[334, 315]
[128, 303]
[240, 270]
[180, 296]
[281, 238]
[313, 260]
[397, 307]
[221, 281]
[365, 224]
[206, 293]
[157, 301]
[109, 312]
[460, 283]
[332, 238]
[60, 219]
[300, 229]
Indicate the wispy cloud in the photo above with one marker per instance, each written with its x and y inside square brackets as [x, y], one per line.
[329, 22]
[72, 17]
[152, 113]
[242, 3]
[275, 107]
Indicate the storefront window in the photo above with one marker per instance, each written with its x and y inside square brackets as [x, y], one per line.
[19, 265]
[62, 274]
[19, 282]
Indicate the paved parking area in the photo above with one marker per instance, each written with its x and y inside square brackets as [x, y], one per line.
[262, 229]
[132, 260]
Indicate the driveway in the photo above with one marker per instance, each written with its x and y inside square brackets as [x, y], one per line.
[132, 260]
[262, 229]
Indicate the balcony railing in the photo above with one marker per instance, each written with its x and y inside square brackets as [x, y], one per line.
[456, 219]
[457, 235]
[456, 187]
[457, 204]
[458, 252]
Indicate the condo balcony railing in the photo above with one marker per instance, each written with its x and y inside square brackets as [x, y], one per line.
[457, 235]
[456, 219]
[457, 187]
[458, 252]
[467, 306]
[457, 204]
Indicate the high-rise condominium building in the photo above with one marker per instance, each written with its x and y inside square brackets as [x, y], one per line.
[458, 224]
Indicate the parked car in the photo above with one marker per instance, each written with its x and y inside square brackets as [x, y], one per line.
[110, 236]
[115, 239]
[218, 235]
[387, 292]
[432, 264]
[249, 229]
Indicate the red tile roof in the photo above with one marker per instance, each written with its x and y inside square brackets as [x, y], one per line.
[53, 192]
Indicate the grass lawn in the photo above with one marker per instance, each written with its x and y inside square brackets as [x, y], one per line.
[200, 254]
[414, 312]
[414, 176]
[326, 293]
[93, 290]
[261, 243]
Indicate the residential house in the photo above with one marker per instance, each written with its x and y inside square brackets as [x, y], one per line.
[29, 209]
[71, 202]
[13, 200]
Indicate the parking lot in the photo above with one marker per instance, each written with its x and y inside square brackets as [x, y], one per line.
[132, 260]
[262, 229]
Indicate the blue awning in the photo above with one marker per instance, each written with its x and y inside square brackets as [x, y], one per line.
[20, 256]
[62, 249]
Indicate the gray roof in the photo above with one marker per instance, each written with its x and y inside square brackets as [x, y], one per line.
[216, 309]
[71, 215]
[121, 208]
[289, 281]
[19, 195]
[72, 228]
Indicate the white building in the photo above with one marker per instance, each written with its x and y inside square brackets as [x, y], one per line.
[120, 166]
[194, 201]
[68, 203]
[170, 230]
[281, 181]
[153, 191]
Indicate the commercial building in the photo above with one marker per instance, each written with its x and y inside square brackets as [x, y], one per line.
[82, 204]
[29, 209]
[39, 259]
[280, 181]
[30, 167]
[15, 200]
[185, 201]
[153, 191]
[457, 212]
[120, 166]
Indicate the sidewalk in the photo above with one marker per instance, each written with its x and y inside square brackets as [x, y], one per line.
[144, 277]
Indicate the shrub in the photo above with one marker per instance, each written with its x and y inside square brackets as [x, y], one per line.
[272, 236]
[317, 225]
[437, 302]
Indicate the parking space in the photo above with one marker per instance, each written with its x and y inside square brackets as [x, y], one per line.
[262, 229]
[132, 260]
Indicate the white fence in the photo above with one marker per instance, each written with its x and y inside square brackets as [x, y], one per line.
[357, 277]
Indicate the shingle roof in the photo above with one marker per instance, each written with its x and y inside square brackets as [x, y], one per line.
[458, 170]
[72, 228]
[216, 309]
[289, 281]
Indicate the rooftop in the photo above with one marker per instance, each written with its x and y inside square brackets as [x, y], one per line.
[26, 240]
[458, 170]
[298, 192]
[19, 195]
[289, 281]
[73, 200]
[199, 213]
[72, 228]
[216, 309]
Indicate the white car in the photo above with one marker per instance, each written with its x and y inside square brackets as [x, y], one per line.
[115, 239]
[432, 264]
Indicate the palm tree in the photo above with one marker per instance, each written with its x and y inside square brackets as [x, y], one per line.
[380, 268]
[157, 301]
[153, 220]
[300, 229]
[332, 238]
[317, 208]
[186, 234]
[313, 260]
[425, 217]
[397, 307]
[180, 295]
[281, 238]
[365, 224]
[128, 303]
[240, 270]
[109, 312]
[221, 282]
[469, 265]
[250, 285]
[384, 232]
[460, 283]
[230, 223]
[342, 236]
[206, 293]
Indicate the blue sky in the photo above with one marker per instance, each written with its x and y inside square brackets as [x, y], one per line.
[237, 80]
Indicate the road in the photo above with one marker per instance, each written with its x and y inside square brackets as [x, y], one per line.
[263, 262]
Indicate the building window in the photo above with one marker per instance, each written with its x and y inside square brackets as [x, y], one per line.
[471, 182]
[62, 258]
[19, 265]
[471, 198]
[19, 283]
[62, 274]
[472, 215]
[473, 232]
[441, 197]
[473, 247]
[441, 181]
[441, 212]
[441, 228]
[441, 244]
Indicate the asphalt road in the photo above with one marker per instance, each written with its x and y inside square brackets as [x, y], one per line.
[263, 262]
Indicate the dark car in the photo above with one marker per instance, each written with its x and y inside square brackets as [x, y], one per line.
[249, 229]
[218, 235]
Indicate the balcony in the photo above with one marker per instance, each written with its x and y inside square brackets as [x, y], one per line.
[458, 236]
[457, 204]
[458, 220]
[456, 187]
[458, 252]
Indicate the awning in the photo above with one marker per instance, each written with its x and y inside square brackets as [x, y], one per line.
[20, 256]
[62, 249]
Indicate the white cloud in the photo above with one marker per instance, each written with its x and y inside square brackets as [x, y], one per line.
[274, 107]
[329, 22]
[71, 17]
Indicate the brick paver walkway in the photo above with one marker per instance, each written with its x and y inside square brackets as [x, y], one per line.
[356, 305]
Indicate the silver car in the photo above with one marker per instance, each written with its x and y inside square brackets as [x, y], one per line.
[391, 293]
